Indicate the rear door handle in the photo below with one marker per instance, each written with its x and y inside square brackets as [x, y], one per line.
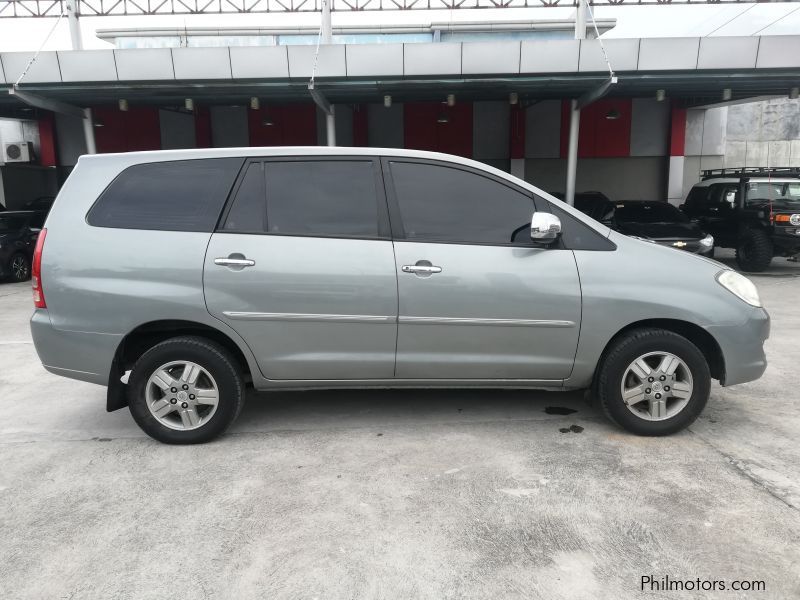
[234, 262]
[425, 269]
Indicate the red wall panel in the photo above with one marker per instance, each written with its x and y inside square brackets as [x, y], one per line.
[599, 136]
[202, 127]
[126, 131]
[292, 125]
[47, 140]
[360, 125]
[677, 136]
[424, 132]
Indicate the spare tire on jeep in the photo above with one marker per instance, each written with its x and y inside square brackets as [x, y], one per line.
[754, 250]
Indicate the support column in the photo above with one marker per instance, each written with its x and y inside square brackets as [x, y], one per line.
[74, 25]
[572, 152]
[677, 143]
[327, 29]
[330, 126]
[516, 139]
[88, 131]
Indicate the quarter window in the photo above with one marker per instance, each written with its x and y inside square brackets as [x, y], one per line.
[439, 203]
[183, 195]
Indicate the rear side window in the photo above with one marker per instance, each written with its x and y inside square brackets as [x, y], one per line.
[336, 198]
[325, 198]
[182, 195]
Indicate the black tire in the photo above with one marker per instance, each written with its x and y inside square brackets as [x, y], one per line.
[19, 268]
[754, 251]
[627, 349]
[215, 359]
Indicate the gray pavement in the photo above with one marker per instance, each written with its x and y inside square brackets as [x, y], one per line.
[398, 494]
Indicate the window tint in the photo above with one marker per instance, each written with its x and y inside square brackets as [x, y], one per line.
[184, 195]
[440, 203]
[335, 197]
[696, 198]
[249, 210]
[577, 236]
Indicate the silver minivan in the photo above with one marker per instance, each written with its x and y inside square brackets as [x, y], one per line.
[178, 278]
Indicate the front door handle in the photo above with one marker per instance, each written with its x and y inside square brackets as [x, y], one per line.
[233, 261]
[422, 267]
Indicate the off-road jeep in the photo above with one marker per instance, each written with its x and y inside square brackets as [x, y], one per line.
[754, 210]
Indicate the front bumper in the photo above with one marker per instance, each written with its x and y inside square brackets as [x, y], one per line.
[787, 239]
[742, 347]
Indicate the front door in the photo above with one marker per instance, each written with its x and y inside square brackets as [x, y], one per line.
[476, 299]
[302, 268]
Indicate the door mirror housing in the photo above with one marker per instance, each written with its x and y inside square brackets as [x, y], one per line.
[545, 228]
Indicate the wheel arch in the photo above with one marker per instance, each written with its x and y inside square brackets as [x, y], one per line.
[147, 335]
[701, 338]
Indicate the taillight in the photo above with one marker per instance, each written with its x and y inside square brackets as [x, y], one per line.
[36, 272]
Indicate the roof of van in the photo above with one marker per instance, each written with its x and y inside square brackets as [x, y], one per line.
[193, 153]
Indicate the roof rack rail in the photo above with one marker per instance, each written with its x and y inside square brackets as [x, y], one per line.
[742, 172]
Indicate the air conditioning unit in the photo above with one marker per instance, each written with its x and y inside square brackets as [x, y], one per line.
[17, 152]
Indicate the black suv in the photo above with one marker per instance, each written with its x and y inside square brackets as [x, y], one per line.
[754, 210]
[18, 233]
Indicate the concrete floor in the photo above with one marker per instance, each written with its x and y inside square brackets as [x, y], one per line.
[403, 494]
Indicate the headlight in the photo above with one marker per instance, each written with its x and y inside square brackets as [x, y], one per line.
[739, 285]
[707, 241]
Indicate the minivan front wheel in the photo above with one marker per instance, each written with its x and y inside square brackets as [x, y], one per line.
[653, 382]
[185, 390]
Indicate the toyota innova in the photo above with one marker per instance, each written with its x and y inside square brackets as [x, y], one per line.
[178, 278]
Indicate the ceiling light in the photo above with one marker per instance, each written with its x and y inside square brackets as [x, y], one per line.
[794, 93]
[123, 104]
[255, 103]
[660, 95]
[451, 99]
[613, 114]
[513, 98]
[387, 100]
[188, 104]
[727, 94]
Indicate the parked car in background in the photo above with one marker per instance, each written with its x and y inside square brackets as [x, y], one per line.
[18, 233]
[662, 223]
[42, 203]
[754, 210]
[654, 221]
[201, 271]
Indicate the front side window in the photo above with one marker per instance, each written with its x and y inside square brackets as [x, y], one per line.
[183, 195]
[447, 204]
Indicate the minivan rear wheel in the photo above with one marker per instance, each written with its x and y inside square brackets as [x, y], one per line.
[185, 390]
[653, 382]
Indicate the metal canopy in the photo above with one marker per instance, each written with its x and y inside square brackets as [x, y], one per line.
[692, 89]
[103, 8]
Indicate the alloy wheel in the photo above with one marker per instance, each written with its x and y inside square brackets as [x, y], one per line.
[657, 386]
[19, 268]
[182, 395]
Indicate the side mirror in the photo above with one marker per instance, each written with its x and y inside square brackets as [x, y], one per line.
[545, 228]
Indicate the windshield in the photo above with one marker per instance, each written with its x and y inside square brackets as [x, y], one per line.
[768, 191]
[649, 212]
[10, 223]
